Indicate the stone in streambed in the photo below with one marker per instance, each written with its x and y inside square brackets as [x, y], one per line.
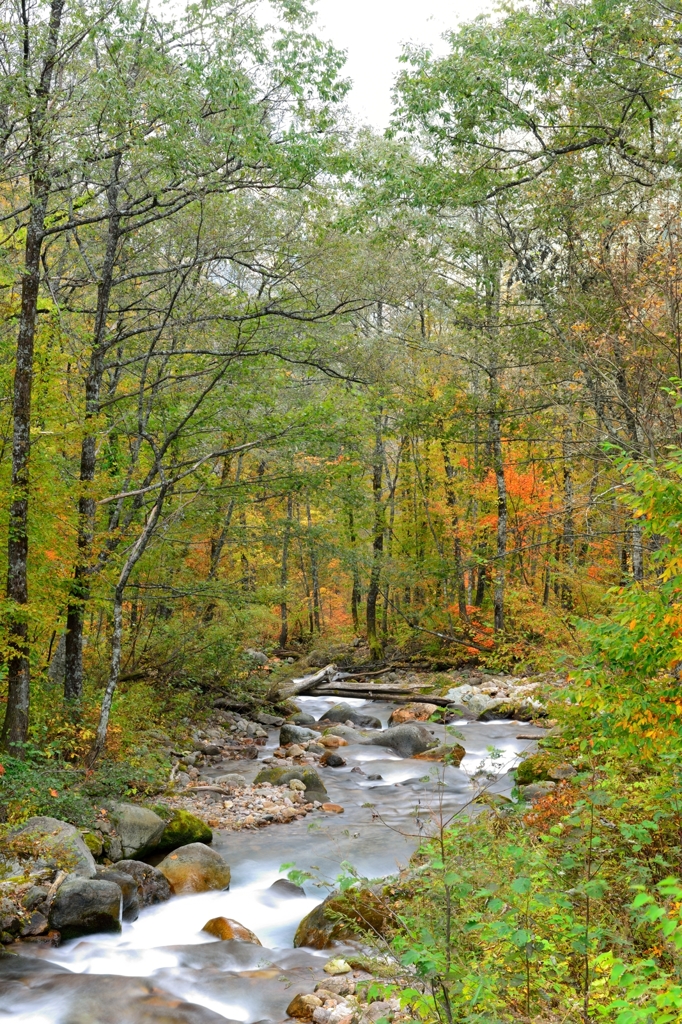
[449, 753]
[51, 843]
[302, 718]
[407, 740]
[232, 780]
[295, 734]
[303, 1007]
[139, 829]
[295, 750]
[412, 713]
[226, 928]
[337, 966]
[195, 868]
[128, 887]
[332, 760]
[333, 742]
[342, 916]
[182, 828]
[314, 787]
[85, 905]
[332, 808]
[343, 713]
[152, 886]
[283, 887]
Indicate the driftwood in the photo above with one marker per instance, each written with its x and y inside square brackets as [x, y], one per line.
[303, 684]
[395, 698]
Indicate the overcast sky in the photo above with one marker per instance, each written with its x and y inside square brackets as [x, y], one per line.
[373, 31]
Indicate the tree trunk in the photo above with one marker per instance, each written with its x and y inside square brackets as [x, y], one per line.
[87, 508]
[451, 499]
[356, 592]
[375, 647]
[15, 726]
[117, 635]
[284, 578]
[314, 570]
[498, 464]
[568, 539]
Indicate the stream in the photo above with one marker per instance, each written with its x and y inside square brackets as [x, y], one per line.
[163, 969]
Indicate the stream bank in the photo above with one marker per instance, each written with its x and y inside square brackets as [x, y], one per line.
[163, 967]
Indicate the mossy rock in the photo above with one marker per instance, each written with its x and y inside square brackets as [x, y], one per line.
[535, 768]
[93, 842]
[343, 916]
[314, 786]
[182, 828]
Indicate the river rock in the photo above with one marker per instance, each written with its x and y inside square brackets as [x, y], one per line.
[283, 887]
[85, 905]
[182, 828]
[302, 1007]
[314, 787]
[226, 928]
[451, 753]
[332, 760]
[346, 732]
[139, 829]
[295, 751]
[341, 985]
[36, 895]
[302, 718]
[269, 720]
[337, 966]
[52, 844]
[342, 916]
[407, 740]
[412, 713]
[128, 887]
[345, 713]
[10, 917]
[232, 780]
[333, 742]
[332, 808]
[295, 734]
[152, 886]
[195, 868]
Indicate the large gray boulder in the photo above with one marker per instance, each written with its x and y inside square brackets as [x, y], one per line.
[128, 887]
[139, 829]
[85, 905]
[296, 734]
[345, 713]
[54, 844]
[152, 886]
[407, 740]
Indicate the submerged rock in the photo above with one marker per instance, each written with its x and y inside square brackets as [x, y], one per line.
[54, 844]
[152, 886]
[407, 740]
[345, 713]
[283, 887]
[195, 868]
[227, 928]
[86, 905]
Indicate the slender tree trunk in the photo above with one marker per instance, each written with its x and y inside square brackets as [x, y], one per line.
[451, 499]
[502, 515]
[117, 635]
[356, 593]
[314, 570]
[377, 543]
[637, 553]
[568, 539]
[80, 587]
[284, 577]
[15, 726]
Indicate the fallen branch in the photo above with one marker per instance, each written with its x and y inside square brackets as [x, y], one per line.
[287, 688]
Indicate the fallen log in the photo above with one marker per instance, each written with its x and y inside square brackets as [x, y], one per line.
[287, 688]
[396, 698]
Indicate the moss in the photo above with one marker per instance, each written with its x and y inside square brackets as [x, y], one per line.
[93, 843]
[535, 768]
[182, 828]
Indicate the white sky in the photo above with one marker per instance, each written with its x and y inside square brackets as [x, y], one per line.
[373, 31]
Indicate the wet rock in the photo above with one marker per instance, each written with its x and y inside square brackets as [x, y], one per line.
[412, 713]
[314, 748]
[295, 734]
[314, 787]
[138, 828]
[182, 828]
[283, 887]
[232, 780]
[295, 751]
[10, 917]
[85, 905]
[128, 887]
[449, 753]
[302, 718]
[195, 868]
[407, 740]
[342, 916]
[52, 844]
[152, 886]
[297, 786]
[302, 1007]
[333, 742]
[346, 732]
[332, 760]
[344, 713]
[342, 985]
[227, 928]
[332, 808]
[536, 791]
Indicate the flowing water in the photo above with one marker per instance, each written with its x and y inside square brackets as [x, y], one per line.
[162, 968]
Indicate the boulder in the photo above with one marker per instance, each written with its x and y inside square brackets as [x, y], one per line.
[450, 753]
[195, 868]
[85, 905]
[346, 732]
[314, 787]
[536, 791]
[128, 887]
[53, 844]
[36, 895]
[302, 718]
[345, 713]
[139, 829]
[182, 828]
[283, 887]
[232, 780]
[295, 734]
[412, 713]
[10, 917]
[407, 740]
[152, 886]
[268, 720]
[227, 929]
[333, 742]
[303, 1007]
[536, 768]
[342, 916]
[332, 760]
